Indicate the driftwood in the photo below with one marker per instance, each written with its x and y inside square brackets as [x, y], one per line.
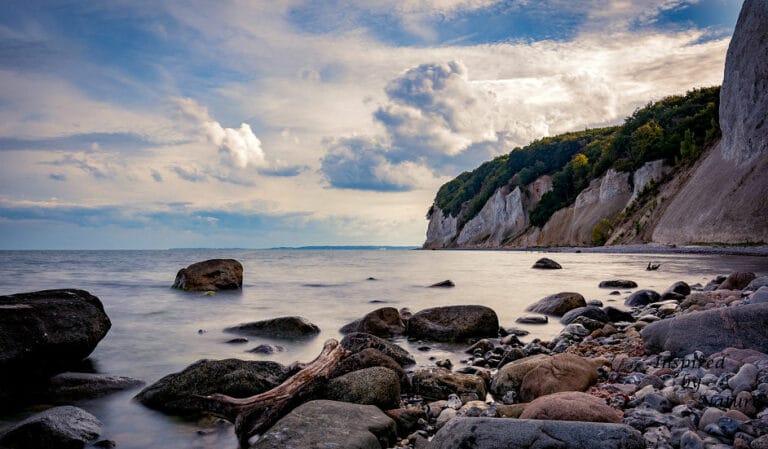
[255, 414]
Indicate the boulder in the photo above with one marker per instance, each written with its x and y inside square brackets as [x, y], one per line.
[760, 295]
[641, 298]
[377, 386]
[737, 281]
[510, 376]
[368, 358]
[443, 284]
[618, 283]
[330, 424]
[591, 312]
[454, 323]
[532, 319]
[509, 433]
[179, 393]
[359, 341]
[743, 327]
[439, 383]
[70, 387]
[616, 315]
[383, 322]
[557, 304]
[561, 372]
[283, 327]
[679, 287]
[571, 406]
[546, 264]
[210, 275]
[64, 427]
[45, 332]
[757, 283]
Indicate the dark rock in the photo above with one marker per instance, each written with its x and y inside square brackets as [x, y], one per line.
[237, 341]
[483, 346]
[547, 264]
[618, 283]
[443, 284]
[64, 427]
[407, 419]
[266, 349]
[330, 424]
[557, 304]
[383, 322]
[516, 332]
[591, 312]
[508, 433]
[641, 298]
[710, 331]
[454, 323]
[211, 275]
[179, 393]
[377, 386]
[681, 288]
[45, 332]
[70, 387]
[439, 383]
[368, 358]
[737, 281]
[283, 327]
[588, 323]
[616, 315]
[357, 341]
[561, 372]
[532, 320]
[571, 406]
[595, 302]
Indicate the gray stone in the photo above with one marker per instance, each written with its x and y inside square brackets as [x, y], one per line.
[591, 312]
[179, 393]
[210, 275]
[377, 386]
[745, 379]
[506, 433]
[557, 304]
[69, 387]
[368, 358]
[641, 298]
[710, 331]
[358, 341]
[532, 319]
[383, 322]
[680, 287]
[756, 283]
[690, 440]
[618, 283]
[710, 416]
[282, 327]
[616, 315]
[737, 281]
[759, 296]
[64, 427]
[547, 264]
[454, 323]
[330, 424]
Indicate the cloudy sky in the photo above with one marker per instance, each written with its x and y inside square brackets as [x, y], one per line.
[157, 124]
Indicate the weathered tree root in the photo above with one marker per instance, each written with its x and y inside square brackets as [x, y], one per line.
[254, 415]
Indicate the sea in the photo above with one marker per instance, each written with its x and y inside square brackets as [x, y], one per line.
[157, 330]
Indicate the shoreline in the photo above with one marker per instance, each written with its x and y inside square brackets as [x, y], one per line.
[648, 248]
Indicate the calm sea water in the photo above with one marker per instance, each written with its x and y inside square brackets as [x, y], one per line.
[157, 330]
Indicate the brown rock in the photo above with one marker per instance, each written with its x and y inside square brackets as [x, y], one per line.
[744, 404]
[562, 372]
[737, 281]
[383, 322]
[557, 304]
[213, 274]
[511, 411]
[439, 383]
[571, 406]
[406, 418]
[511, 375]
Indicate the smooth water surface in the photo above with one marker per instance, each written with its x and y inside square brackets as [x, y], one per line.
[157, 330]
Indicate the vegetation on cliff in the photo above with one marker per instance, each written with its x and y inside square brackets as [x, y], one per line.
[674, 129]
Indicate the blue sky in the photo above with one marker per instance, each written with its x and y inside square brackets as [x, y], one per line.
[156, 124]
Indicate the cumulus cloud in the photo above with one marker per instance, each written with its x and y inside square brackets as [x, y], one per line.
[239, 147]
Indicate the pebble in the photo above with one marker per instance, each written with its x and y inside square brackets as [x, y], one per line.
[690, 440]
[745, 379]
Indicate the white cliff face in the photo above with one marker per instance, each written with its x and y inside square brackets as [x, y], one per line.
[501, 216]
[441, 229]
[653, 170]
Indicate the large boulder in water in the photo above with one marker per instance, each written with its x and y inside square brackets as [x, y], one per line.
[64, 427]
[508, 433]
[282, 327]
[180, 393]
[454, 323]
[358, 341]
[46, 332]
[213, 274]
[383, 322]
[547, 264]
[330, 424]
[743, 327]
[557, 304]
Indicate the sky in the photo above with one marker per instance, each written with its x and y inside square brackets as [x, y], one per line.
[137, 124]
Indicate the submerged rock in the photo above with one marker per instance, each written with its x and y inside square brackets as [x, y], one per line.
[210, 275]
[508, 433]
[454, 323]
[282, 327]
[618, 283]
[68, 387]
[443, 284]
[383, 322]
[180, 393]
[330, 424]
[546, 264]
[64, 427]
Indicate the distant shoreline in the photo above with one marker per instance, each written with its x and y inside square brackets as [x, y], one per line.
[758, 251]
